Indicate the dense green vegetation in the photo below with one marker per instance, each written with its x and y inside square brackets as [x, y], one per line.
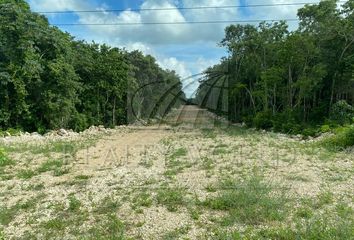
[50, 80]
[289, 81]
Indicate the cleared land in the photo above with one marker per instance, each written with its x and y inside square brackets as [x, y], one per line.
[181, 182]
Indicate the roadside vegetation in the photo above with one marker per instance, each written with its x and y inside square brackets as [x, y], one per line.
[295, 82]
[60, 82]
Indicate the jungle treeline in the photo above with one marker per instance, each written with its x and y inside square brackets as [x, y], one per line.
[49, 80]
[289, 81]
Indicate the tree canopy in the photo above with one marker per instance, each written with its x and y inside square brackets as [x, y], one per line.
[285, 79]
[49, 80]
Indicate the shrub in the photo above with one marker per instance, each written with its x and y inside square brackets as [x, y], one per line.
[325, 128]
[287, 122]
[342, 112]
[263, 120]
[348, 139]
[79, 122]
[344, 138]
[248, 120]
[14, 132]
[307, 132]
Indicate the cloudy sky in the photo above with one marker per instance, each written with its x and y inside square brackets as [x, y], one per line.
[187, 48]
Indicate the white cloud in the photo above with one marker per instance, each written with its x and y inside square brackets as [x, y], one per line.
[58, 5]
[139, 46]
[180, 67]
[153, 34]
[202, 64]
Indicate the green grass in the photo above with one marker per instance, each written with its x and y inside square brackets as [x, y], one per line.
[67, 149]
[194, 212]
[252, 201]
[74, 204]
[66, 220]
[324, 198]
[177, 233]
[326, 226]
[36, 187]
[7, 214]
[6, 177]
[142, 199]
[4, 159]
[220, 151]
[238, 131]
[108, 205]
[60, 171]
[298, 178]
[323, 227]
[82, 177]
[171, 198]
[2, 235]
[207, 163]
[209, 133]
[318, 218]
[304, 212]
[178, 153]
[57, 224]
[170, 173]
[211, 188]
[109, 228]
[174, 163]
[26, 174]
[50, 165]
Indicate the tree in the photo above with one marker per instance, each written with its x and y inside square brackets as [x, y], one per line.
[50, 81]
[290, 79]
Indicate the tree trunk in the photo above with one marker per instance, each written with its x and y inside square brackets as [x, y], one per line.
[114, 112]
[290, 89]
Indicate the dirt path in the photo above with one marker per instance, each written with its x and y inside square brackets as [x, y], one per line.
[191, 116]
[115, 150]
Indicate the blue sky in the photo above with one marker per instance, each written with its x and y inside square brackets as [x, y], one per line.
[187, 49]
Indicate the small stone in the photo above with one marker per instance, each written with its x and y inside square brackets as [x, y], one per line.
[62, 132]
